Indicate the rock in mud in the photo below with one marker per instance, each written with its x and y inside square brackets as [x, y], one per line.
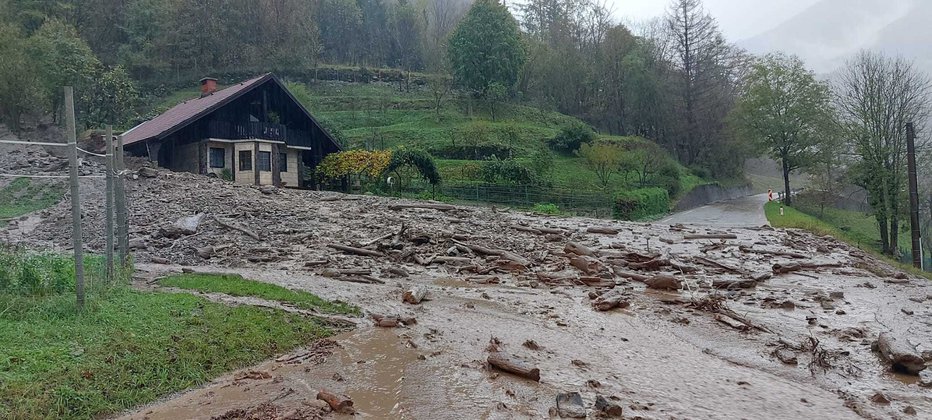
[607, 408]
[902, 356]
[925, 379]
[570, 405]
[147, 172]
[786, 356]
[663, 282]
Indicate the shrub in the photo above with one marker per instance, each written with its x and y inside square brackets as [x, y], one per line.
[508, 171]
[546, 208]
[471, 152]
[641, 203]
[571, 138]
[417, 159]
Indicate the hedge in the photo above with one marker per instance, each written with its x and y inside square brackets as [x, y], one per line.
[641, 203]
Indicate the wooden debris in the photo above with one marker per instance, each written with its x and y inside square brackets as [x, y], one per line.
[712, 263]
[748, 249]
[357, 251]
[632, 276]
[481, 250]
[731, 322]
[338, 402]
[710, 236]
[232, 226]
[414, 295]
[335, 272]
[602, 230]
[795, 267]
[513, 365]
[578, 249]
[596, 281]
[484, 279]
[430, 206]
[450, 260]
[652, 265]
[901, 355]
[727, 284]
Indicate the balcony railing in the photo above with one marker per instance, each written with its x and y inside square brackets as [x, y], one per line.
[248, 130]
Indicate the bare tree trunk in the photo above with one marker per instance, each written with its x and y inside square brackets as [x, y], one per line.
[787, 198]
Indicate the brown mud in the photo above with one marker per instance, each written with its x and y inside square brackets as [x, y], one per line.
[771, 324]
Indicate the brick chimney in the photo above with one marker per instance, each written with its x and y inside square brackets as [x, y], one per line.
[208, 86]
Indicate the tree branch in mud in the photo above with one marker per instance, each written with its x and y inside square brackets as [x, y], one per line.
[232, 226]
[338, 402]
[357, 251]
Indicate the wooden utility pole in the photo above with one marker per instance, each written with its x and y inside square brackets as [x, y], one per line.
[913, 195]
[120, 200]
[108, 141]
[76, 234]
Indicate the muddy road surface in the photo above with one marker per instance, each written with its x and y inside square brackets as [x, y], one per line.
[741, 212]
[663, 320]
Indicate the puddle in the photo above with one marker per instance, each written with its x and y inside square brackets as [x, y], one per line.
[381, 357]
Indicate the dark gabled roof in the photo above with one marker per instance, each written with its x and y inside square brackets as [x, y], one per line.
[191, 110]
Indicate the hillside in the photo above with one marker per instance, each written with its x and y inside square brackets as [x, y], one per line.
[461, 136]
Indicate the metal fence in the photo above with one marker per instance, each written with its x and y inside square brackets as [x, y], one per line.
[583, 203]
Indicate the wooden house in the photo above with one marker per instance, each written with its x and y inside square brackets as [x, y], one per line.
[254, 132]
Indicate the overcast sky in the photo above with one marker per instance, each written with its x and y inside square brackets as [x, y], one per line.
[738, 19]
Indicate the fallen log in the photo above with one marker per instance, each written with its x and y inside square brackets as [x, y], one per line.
[339, 403]
[652, 265]
[357, 251]
[526, 229]
[733, 284]
[414, 295]
[232, 226]
[602, 230]
[632, 276]
[451, 260]
[551, 231]
[794, 267]
[596, 282]
[578, 249]
[710, 236]
[508, 255]
[512, 365]
[483, 279]
[731, 322]
[334, 272]
[430, 206]
[554, 279]
[901, 355]
[358, 279]
[747, 249]
[712, 263]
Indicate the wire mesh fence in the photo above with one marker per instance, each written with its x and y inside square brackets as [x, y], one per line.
[583, 203]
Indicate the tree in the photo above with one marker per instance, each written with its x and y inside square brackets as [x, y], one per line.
[64, 59]
[783, 110]
[876, 96]
[19, 82]
[111, 99]
[603, 158]
[486, 48]
[698, 54]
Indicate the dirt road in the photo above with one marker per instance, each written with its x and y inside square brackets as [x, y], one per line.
[758, 323]
[742, 212]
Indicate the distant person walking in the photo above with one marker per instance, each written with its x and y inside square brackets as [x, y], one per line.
[770, 194]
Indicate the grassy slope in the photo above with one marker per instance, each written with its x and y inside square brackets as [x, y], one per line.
[855, 228]
[379, 115]
[235, 285]
[24, 196]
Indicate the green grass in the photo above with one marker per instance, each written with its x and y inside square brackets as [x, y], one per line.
[23, 196]
[235, 285]
[855, 228]
[128, 348]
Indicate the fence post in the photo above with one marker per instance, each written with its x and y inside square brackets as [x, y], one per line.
[120, 200]
[108, 230]
[76, 233]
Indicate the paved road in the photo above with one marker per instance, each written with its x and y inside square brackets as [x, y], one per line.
[742, 212]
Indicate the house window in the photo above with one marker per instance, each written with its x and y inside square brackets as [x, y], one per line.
[264, 161]
[217, 157]
[283, 162]
[245, 160]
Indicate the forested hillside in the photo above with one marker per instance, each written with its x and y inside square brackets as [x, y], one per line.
[654, 81]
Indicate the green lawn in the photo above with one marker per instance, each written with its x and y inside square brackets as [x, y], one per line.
[23, 196]
[235, 285]
[128, 348]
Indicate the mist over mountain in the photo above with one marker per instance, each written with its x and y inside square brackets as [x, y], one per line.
[831, 31]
